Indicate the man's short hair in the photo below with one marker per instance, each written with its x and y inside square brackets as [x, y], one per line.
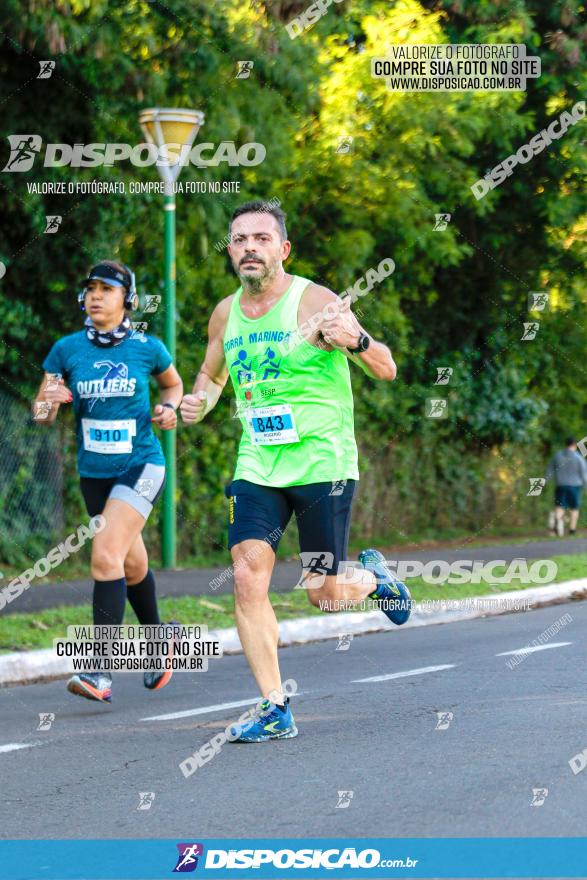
[261, 207]
[570, 441]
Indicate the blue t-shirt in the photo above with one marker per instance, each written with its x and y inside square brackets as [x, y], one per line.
[110, 388]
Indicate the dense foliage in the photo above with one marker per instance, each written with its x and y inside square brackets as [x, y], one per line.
[458, 297]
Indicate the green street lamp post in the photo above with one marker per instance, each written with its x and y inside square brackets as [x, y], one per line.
[173, 132]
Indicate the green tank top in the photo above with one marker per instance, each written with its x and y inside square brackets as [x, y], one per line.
[294, 401]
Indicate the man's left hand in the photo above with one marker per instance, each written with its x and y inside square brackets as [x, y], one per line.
[341, 329]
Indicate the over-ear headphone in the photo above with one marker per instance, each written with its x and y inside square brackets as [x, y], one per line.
[131, 300]
[110, 275]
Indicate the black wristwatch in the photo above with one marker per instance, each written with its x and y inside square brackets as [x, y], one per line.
[364, 343]
[170, 405]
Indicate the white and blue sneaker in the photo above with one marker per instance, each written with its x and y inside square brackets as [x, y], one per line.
[393, 596]
[270, 722]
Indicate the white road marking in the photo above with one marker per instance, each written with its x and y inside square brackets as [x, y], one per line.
[405, 674]
[531, 650]
[203, 710]
[12, 747]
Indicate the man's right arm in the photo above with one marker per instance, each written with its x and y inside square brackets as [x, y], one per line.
[213, 374]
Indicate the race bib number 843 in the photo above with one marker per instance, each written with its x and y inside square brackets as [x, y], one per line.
[272, 425]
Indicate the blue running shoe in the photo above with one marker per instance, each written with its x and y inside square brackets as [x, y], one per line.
[394, 597]
[270, 722]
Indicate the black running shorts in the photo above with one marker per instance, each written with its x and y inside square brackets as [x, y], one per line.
[322, 511]
[140, 486]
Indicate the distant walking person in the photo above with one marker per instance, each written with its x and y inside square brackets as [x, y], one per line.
[570, 474]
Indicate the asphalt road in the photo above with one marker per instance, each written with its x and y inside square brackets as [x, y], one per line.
[513, 730]
[200, 582]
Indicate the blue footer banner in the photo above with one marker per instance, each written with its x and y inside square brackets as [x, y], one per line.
[303, 858]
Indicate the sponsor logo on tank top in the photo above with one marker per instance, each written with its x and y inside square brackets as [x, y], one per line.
[268, 367]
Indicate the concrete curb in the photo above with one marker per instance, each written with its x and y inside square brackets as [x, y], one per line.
[26, 667]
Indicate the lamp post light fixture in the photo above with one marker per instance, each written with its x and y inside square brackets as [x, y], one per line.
[173, 132]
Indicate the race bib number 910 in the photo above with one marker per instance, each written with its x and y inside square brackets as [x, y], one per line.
[272, 425]
[111, 437]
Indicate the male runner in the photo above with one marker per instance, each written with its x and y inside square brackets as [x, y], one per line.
[286, 343]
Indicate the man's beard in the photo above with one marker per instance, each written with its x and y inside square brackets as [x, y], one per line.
[256, 283]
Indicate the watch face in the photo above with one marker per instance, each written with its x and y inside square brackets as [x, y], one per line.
[364, 342]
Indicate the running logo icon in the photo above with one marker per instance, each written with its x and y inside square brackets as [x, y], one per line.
[114, 371]
[345, 145]
[272, 368]
[444, 374]
[436, 408]
[53, 380]
[444, 720]
[441, 222]
[539, 795]
[53, 222]
[188, 857]
[23, 150]
[344, 800]
[139, 328]
[46, 68]
[143, 488]
[152, 303]
[100, 389]
[315, 565]
[244, 69]
[537, 484]
[530, 330]
[41, 410]
[245, 373]
[537, 301]
[46, 719]
[146, 799]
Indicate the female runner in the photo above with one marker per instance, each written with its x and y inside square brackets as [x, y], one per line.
[104, 371]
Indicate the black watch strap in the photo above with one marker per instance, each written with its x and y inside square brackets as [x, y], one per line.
[170, 405]
[364, 342]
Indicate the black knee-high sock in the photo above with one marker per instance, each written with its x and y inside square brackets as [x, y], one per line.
[109, 602]
[143, 599]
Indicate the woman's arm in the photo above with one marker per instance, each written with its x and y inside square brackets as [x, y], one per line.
[51, 394]
[171, 387]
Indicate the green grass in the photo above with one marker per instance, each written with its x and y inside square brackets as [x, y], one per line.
[23, 632]
[450, 538]
[76, 567]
